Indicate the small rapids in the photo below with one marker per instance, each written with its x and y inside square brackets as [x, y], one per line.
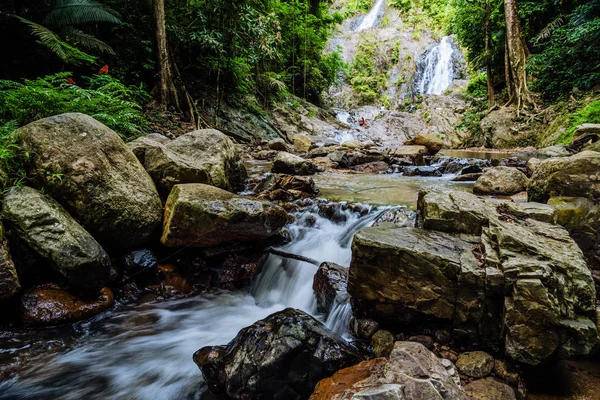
[145, 351]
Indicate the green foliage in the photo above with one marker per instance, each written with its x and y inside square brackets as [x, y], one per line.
[590, 114]
[368, 72]
[423, 14]
[105, 98]
[477, 87]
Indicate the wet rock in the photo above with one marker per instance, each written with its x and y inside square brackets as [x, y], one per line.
[425, 340]
[287, 163]
[400, 217]
[443, 336]
[329, 285]
[9, 280]
[552, 151]
[322, 151]
[532, 165]
[278, 145]
[303, 184]
[414, 153]
[421, 171]
[376, 167]
[476, 364]
[581, 217]
[363, 328]
[340, 158]
[302, 143]
[383, 343]
[140, 260]
[47, 228]
[506, 371]
[265, 154]
[412, 367]
[490, 389]
[432, 143]
[51, 305]
[575, 176]
[199, 215]
[467, 178]
[102, 184]
[205, 156]
[501, 180]
[281, 357]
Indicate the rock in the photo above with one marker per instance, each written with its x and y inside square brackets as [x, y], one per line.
[102, 184]
[467, 178]
[497, 128]
[363, 328]
[412, 370]
[490, 389]
[506, 371]
[433, 143]
[583, 136]
[205, 156]
[287, 163]
[48, 229]
[425, 340]
[408, 151]
[340, 158]
[552, 151]
[443, 336]
[51, 305]
[302, 143]
[304, 184]
[329, 285]
[501, 180]
[581, 217]
[352, 145]
[280, 357]
[575, 176]
[322, 151]
[140, 260]
[383, 343]
[9, 280]
[400, 217]
[140, 145]
[421, 171]
[198, 215]
[278, 145]
[476, 364]
[375, 167]
[532, 165]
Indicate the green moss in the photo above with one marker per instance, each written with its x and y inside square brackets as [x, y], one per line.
[590, 114]
[368, 72]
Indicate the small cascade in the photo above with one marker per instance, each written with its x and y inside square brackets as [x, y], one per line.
[436, 68]
[372, 17]
[342, 136]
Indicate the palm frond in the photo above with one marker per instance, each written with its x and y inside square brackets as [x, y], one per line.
[551, 27]
[74, 12]
[88, 41]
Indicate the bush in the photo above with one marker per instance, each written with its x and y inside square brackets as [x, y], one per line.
[590, 114]
[105, 99]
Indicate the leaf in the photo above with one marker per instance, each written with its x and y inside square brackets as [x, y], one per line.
[74, 12]
[88, 41]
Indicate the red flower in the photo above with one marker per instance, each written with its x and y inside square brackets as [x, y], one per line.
[103, 70]
[70, 81]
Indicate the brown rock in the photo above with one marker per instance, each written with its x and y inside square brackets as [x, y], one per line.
[372, 167]
[476, 364]
[490, 389]
[347, 380]
[383, 343]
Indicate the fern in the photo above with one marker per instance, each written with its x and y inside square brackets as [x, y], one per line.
[75, 12]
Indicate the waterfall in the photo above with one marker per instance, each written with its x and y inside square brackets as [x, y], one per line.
[371, 18]
[438, 70]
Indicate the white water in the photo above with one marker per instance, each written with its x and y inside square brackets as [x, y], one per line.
[371, 18]
[439, 72]
[145, 352]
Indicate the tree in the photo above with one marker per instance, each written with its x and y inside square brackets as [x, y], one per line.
[488, 54]
[516, 54]
[167, 96]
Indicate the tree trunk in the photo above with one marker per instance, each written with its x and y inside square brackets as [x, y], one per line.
[168, 97]
[516, 58]
[488, 54]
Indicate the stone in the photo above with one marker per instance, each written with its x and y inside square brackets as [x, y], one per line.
[584, 135]
[50, 305]
[476, 364]
[329, 285]
[9, 280]
[198, 215]
[304, 184]
[552, 151]
[302, 143]
[575, 176]
[421, 171]
[506, 371]
[278, 144]
[205, 156]
[352, 145]
[383, 343]
[287, 163]
[102, 184]
[581, 217]
[140, 145]
[501, 180]
[322, 151]
[375, 167]
[467, 177]
[281, 357]
[140, 260]
[490, 389]
[498, 128]
[425, 340]
[412, 372]
[433, 143]
[47, 228]
[363, 328]
[532, 165]
[443, 336]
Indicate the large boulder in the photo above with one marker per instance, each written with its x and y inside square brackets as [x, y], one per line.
[287, 163]
[501, 180]
[88, 169]
[490, 389]
[198, 215]
[46, 227]
[498, 128]
[204, 156]
[52, 305]
[575, 176]
[280, 357]
[9, 280]
[412, 372]
[518, 282]
[433, 143]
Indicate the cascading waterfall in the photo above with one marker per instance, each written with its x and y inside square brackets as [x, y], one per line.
[371, 18]
[145, 351]
[438, 72]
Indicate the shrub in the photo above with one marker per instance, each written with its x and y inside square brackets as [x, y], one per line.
[589, 114]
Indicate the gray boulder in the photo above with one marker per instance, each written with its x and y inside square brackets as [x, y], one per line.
[287, 163]
[204, 156]
[501, 180]
[48, 229]
[200, 215]
[280, 357]
[87, 168]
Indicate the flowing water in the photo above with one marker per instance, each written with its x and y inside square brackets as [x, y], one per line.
[371, 18]
[438, 72]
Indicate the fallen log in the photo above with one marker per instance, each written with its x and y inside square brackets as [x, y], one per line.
[294, 256]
